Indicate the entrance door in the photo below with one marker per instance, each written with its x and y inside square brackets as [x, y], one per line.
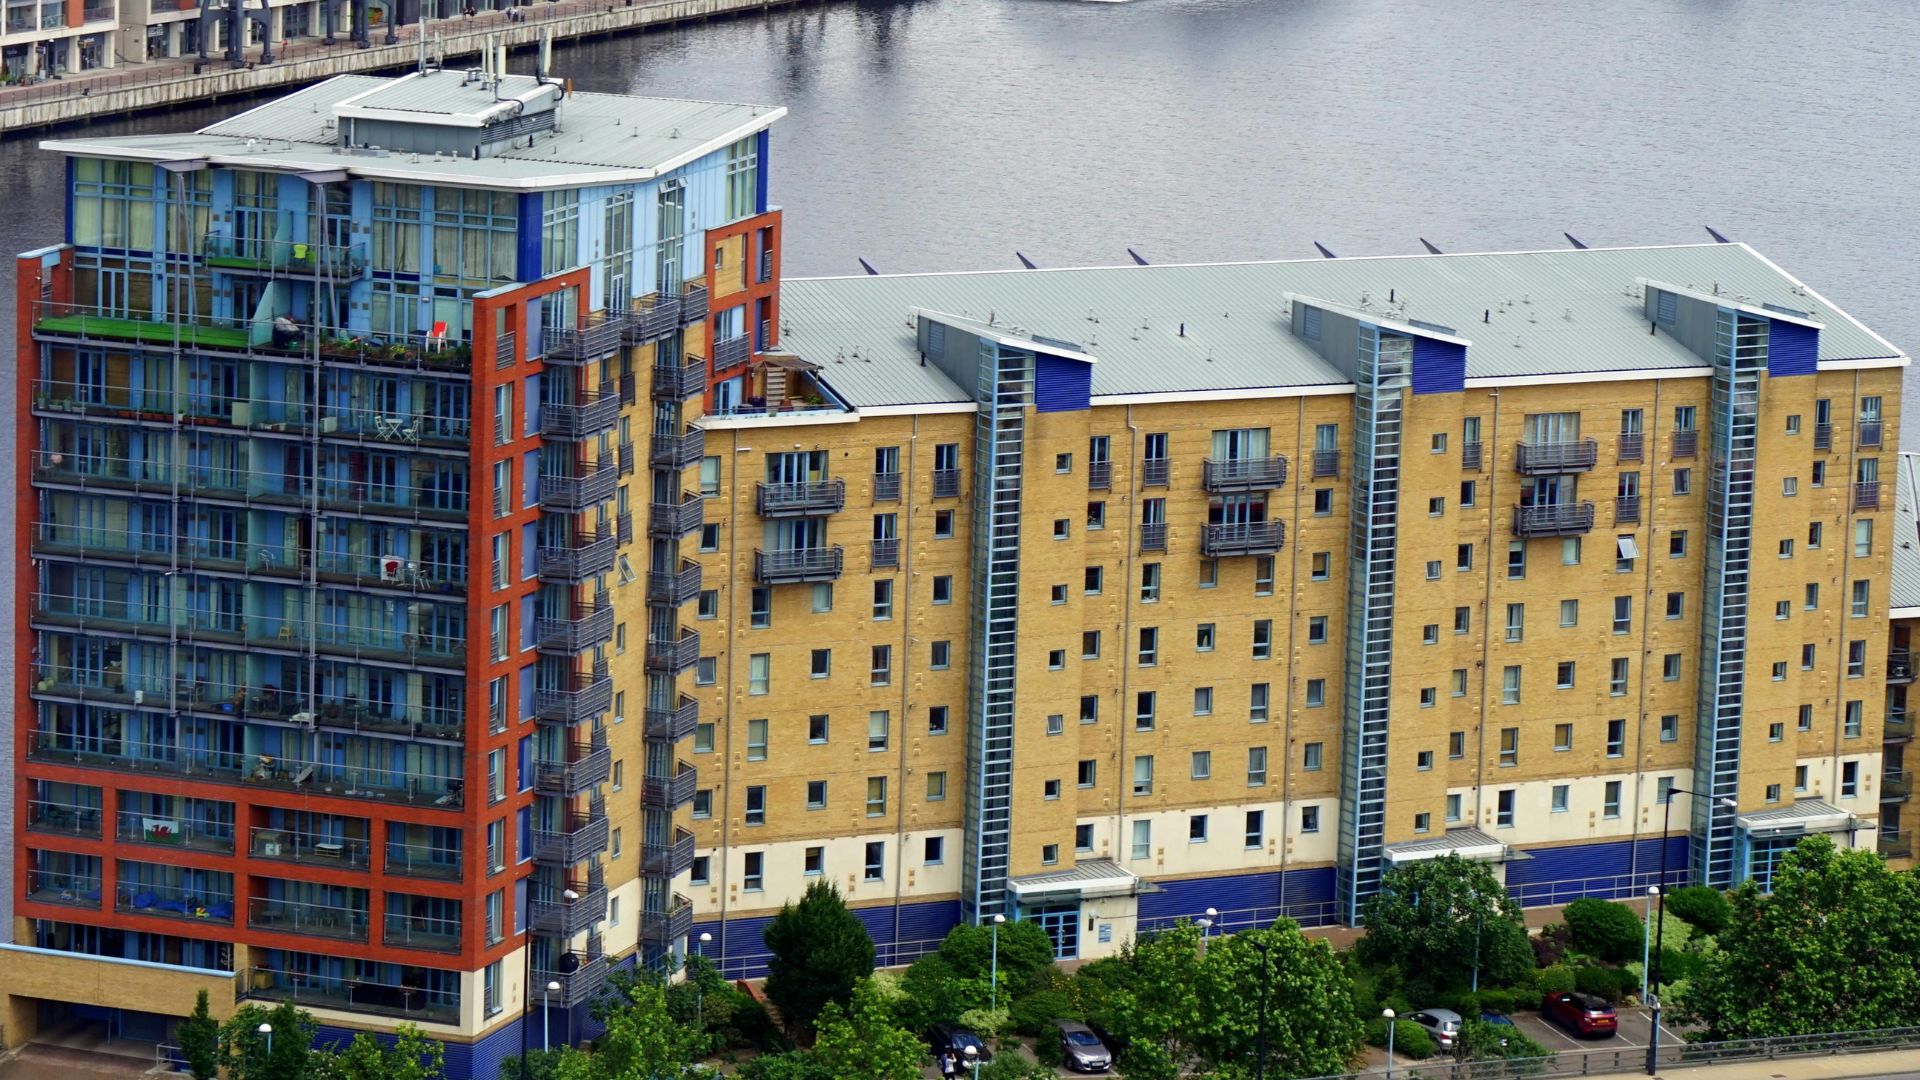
[1062, 924]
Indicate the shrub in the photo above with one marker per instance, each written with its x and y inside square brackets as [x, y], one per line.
[1557, 979]
[1047, 1049]
[1704, 907]
[1527, 997]
[1011, 1064]
[1031, 1015]
[1550, 945]
[1409, 1038]
[987, 1023]
[1024, 949]
[1464, 1002]
[1608, 930]
[1500, 1001]
[1614, 984]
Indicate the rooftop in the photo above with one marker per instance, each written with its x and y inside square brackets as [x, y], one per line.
[1223, 328]
[1904, 588]
[600, 139]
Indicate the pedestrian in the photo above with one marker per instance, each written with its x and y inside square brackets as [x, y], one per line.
[947, 1064]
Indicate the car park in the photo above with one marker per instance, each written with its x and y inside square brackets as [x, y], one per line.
[1442, 1024]
[1578, 1014]
[1081, 1049]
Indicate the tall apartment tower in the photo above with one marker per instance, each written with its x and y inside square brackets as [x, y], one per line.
[353, 680]
[370, 665]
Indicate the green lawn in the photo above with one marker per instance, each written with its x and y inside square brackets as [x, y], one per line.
[146, 331]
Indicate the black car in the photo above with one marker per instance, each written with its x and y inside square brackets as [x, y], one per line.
[952, 1038]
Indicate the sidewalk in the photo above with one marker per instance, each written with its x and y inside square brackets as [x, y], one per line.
[1887, 1063]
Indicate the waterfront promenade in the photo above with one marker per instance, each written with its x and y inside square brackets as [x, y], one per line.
[174, 82]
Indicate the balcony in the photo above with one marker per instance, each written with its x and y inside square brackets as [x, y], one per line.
[1686, 444]
[310, 849]
[426, 933]
[674, 657]
[590, 696]
[679, 384]
[1326, 464]
[886, 553]
[1243, 474]
[1866, 495]
[731, 352]
[353, 995]
[674, 587]
[569, 917]
[1896, 785]
[586, 557]
[312, 920]
[1897, 728]
[1470, 453]
[63, 819]
[678, 451]
[623, 528]
[591, 415]
[629, 389]
[670, 793]
[1869, 431]
[693, 305]
[281, 258]
[629, 460]
[1896, 844]
[1626, 510]
[669, 926]
[597, 340]
[582, 976]
[250, 770]
[672, 725]
[783, 566]
[434, 862]
[946, 483]
[1553, 519]
[886, 487]
[654, 317]
[1155, 472]
[1633, 446]
[1823, 436]
[579, 838]
[766, 266]
[676, 519]
[1245, 538]
[503, 350]
[670, 859]
[588, 765]
[1099, 476]
[808, 499]
[1899, 667]
[595, 485]
[590, 625]
[1554, 458]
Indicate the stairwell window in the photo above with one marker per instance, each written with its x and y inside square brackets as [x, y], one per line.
[1510, 685]
[1862, 594]
[1855, 719]
[1149, 646]
[1509, 746]
[1316, 693]
[1617, 677]
[756, 804]
[1150, 583]
[1262, 639]
[1616, 738]
[1623, 614]
[1856, 659]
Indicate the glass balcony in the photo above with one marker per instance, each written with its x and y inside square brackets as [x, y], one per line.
[674, 657]
[71, 890]
[595, 485]
[1553, 519]
[1245, 538]
[1896, 784]
[362, 995]
[670, 792]
[664, 927]
[592, 414]
[173, 903]
[1243, 474]
[65, 322]
[587, 766]
[410, 854]
[678, 451]
[431, 933]
[668, 859]
[135, 827]
[1896, 843]
[284, 258]
[589, 625]
[308, 918]
[1555, 458]
[1898, 727]
[278, 562]
[310, 848]
[808, 499]
[784, 565]
[676, 519]
[442, 499]
[585, 557]
[332, 422]
[600, 338]
[672, 725]
[63, 819]
[674, 587]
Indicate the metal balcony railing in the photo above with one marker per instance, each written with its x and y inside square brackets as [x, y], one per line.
[623, 527]
[588, 556]
[766, 265]
[404, 931]
[315, 849]
[693, 304]
[1866, 495]
[678, 451]
[946, 483]
[678, 384]
[503, 350]
[677, 519]
[1156, 472]
[674, 657]
[569, 917]
[1153, 536]
[590, 696]
[669, 859]
[785, 565]
[597, 340]
[629, 459]
[886, 553]
[670, 792]
[731, 352]
[63, 819]
[805, 499]
[591, 415]
[1470, 454]
[653, 317]
[1243, 474]
[595, 485]
[1823, 436]
[1895, 843]
[1245, 538]
[1099, 476]
[886, 487]
[314, 920]
[1898, 726]
[579, 838]
[588, 765]
[590, 625]
[672, 725]
[668, 926]
[582, 976]
[1549, 458]
[1686, 444]
[1633, 446]
[1869, 434]
[1895, 785]
[1626, 510]
[674, 587]
[1899, 666]
[1553, 519]
[1326, 464]
[629, 389]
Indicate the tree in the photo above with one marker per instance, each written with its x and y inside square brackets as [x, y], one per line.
[820, 950]
[1430, 916]
[1834, 947]
[1702, 907]
[1025, 949]
[642, 1041]
[412, 1056]
[287, 1055]
[863, 1040]
[199, 1039]
[1604, 929]
[1313, 1025]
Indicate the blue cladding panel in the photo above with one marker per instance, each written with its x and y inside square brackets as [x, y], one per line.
[1611, 870]
[532, 212]
[739, 947]
[760, 174]
[1243, 900]
[465, 1061]
[1792, 349]
[1439, 367]
[1061, 385]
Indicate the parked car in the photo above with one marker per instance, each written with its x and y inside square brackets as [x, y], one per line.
[1442, 1024]
[1500, 1018]
[1081, 1049]
[1581, 1014]
[953, 1038]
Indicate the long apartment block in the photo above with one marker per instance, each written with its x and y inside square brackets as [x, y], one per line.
[374, 667]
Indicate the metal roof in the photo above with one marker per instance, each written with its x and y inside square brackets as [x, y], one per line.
[600, 139]
[1804, 814]
[1468, 843]
[1088, 878]
[1904, 588]
[1224, 327]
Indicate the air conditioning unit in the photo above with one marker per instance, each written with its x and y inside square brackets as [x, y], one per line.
[390, 568]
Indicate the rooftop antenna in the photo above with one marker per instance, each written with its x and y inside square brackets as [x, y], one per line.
[1717, 238]
[1431, 250]
[1137, 260]
[868, 267]
[1323, 250]
[1575, 241]
[1024, 261]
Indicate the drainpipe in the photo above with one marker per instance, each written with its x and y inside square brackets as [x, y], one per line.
[1293, 615]
[905, 541]
[1489, 449]
[1650, 448]
[1126, 625]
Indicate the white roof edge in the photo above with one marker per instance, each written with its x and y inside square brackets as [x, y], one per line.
[1401, 325]
[1904, 613]
[910, 409]
[1559, 378]
[1831, 306]
[1865, 363]
[1747, 306]
[1251, 393]
[1495, 852]
[995, 334]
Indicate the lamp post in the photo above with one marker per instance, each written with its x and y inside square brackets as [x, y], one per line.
[1388, 1013]
[1260, 1033]
[1205, 925]
[973, 1060]
[546, 1015]
[993, 991]
[1660, 935]
[699, 992]
[267, 1030]
[1646, 937]
[1478, 920]
[1212, 919]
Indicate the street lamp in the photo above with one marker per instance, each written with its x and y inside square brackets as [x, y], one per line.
[1388, 1014]
[993, 991]
[1260, 1034]
[1473, 898]
[699, 992]
[1212, 920]
[1660, 935]
[267, 1030]
[973, 1060]
[546, 1015]
[1646, 936]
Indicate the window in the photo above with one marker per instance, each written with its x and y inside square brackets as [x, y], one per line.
[1503, 809]
[1453, 807]
[1149, 653]
[1814, 535]
[1049, 854]
[1256, 766]
[934, 851]
[1459, 682]
[816, 861]
[876, 796]
[816, 794]
[1143, 710]
[820, 663]
[1436, 506]
[1855, 717]
[1083, 839]
[1790, 486]
[1509, 746]
[1516, 621]
[1203, 637]
[1616, 738]
[1317, 630]
[1142, 847]
[1056, 659]
[759, 673]
[1463, 557]
[940, 655]
[1819, 474]
[943, 589]
[1263, 576]
[492, 988]
[703, 803]
[1262, 639]
[1563, 679]
[937, 720]
[1676, 605]
[1569, 551]
[1203, 701]
[1806, 657]
[1209, 573]
[1143, 775]
[1150, 583]
[1806, 718]
[1095, 579]
[709, 538]
[1063, 463]
[1617, 677]
[1062, 528]
[703, 738]
[1050, 789]
[1560, 792]
[1322, 502]
[1516, 560]
[1510, 685]
[1089, 644]
[1786, 548]
[1569, 613]
[1856, 659]
[760, 608]
[1626, 550]
[1316, 693]
[1202, 768]
[1319, 565]
[1438, 443]
[1089, 772]
[1056, 723]
[822, 597]
[756, 740]
[1670, 728]
[1776, 732]
[708, 605]
[1862, 592]
[1863, 538]
[1623, 614]
[1670, 667]
[1089, 708]
[1311, 756]
[1423, 761]
[1309, 819]
[1429, 634]
[1783, 610]
[1469, 493]
[875, 863]
[1563, 736]
[1677, 544]
[1849, 779]
[1683, 481]
[1799, 778]
[702, 872]
[1433, 569]
[882, 672]
[1610, 799]
[1256, 831]
[1257, 703]
[756, 804]
[943, 524]
[877, 723]
[1422, 822]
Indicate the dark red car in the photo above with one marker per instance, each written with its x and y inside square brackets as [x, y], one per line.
[1581, 1014]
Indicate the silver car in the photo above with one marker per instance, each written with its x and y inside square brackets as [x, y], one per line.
[1081, 1048]
[1442, 1024]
